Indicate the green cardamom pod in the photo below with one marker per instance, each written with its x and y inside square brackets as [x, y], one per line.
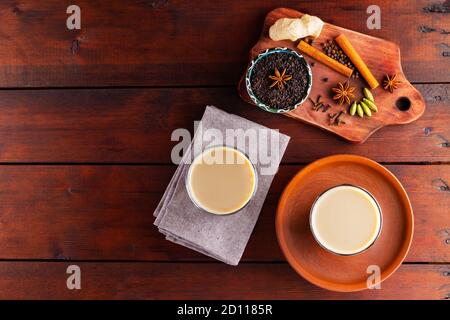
[370, 104]
[366, 109]
[359, 110]
[353, 108]
[368, 94]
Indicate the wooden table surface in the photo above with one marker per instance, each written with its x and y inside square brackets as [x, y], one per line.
[85, 123]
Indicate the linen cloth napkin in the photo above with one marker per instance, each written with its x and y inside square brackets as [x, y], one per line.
[221, 237]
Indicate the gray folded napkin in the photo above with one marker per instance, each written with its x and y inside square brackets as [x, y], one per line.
[221, 237]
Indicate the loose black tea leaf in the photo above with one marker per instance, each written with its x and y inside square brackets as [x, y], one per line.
[291, 92]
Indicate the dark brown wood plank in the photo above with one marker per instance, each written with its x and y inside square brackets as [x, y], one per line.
[47, 280]
[185, 43]
[135, 126]
[105, 213]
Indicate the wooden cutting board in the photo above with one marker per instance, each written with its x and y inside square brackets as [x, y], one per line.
[382, 57]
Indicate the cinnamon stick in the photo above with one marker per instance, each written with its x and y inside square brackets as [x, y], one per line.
[356, 59]
[323, 58]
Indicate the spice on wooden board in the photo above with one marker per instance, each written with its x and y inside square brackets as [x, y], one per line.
[353, 108]
[296, 28]
[323, 58]
[391, 83]
[359, 110]
[319, 105]
[336, 118]
[368, 94]
[343, 93]
[331, 49]
[288, 93]
[356, 59]
[364, 106]
[370, 104]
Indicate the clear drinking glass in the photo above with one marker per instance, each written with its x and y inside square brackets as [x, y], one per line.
[188, 177]
[368, 245]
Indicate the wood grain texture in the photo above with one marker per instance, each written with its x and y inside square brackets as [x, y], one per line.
[135, 126]
[34, 280]
[105, 213]
[151, 42]
[355, 129]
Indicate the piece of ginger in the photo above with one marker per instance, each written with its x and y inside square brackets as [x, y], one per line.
[297, 28]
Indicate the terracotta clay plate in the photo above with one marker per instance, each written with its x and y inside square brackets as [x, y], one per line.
[325, 269]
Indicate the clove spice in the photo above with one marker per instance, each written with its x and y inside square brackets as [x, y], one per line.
[319, 105]
[335, 118]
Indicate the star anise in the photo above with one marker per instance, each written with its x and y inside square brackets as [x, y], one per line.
[391, 83]
[344, 93]
[280, 79]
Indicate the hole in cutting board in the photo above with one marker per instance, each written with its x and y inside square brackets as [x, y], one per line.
[403, 103]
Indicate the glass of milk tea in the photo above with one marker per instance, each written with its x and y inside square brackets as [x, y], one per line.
[346, 219]
[221, 180]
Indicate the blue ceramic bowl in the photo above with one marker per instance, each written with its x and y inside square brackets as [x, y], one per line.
[262, 56]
